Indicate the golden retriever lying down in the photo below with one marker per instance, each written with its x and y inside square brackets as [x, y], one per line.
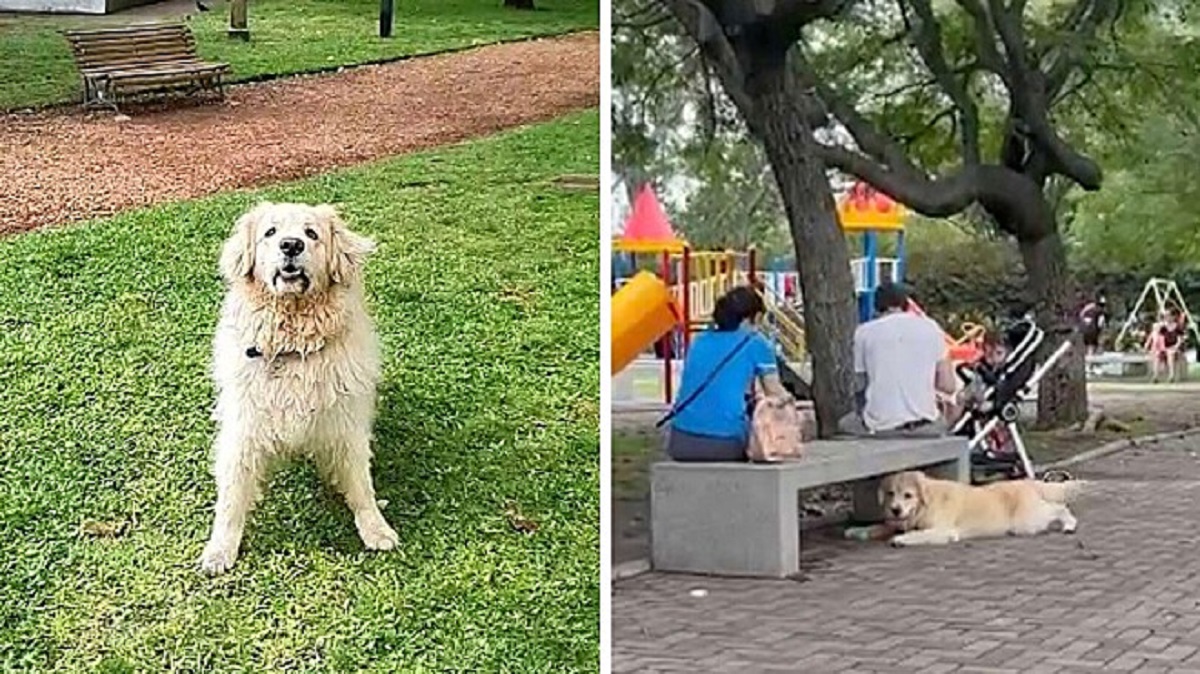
[927, 511]
[296, 363]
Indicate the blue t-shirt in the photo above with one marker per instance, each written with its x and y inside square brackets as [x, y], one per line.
[720, 409]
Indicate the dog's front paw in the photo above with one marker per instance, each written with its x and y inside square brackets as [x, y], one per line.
[217, 559]
[897, 541]
[375, 532]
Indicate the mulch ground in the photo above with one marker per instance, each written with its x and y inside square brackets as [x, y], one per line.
[62, 166]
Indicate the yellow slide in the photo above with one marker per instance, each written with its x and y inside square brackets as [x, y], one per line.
[642, 312]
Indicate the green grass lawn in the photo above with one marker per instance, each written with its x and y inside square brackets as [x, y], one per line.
[485, 290]
[288, 36]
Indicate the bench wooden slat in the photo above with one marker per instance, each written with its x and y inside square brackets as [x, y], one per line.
[138, 59]
[111, 38]
[163, 66]
[172, 41]
[124, 31]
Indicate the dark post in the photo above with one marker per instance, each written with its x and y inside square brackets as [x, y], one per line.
[238, 25]
[386, 9]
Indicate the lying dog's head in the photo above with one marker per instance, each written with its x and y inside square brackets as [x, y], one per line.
[293, 249]
[902, 495]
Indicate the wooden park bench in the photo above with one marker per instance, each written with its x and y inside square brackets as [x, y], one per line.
[743, 519]
[118, 63]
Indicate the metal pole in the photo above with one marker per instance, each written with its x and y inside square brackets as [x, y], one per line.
[386, 11]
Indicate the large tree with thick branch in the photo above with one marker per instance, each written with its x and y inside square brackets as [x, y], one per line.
[993, 74]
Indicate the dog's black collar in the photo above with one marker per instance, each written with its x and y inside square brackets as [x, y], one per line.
[255, 352]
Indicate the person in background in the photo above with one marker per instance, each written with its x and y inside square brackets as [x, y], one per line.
[900, 364]
[1093, 318]
[710, 419]
[1165, 343]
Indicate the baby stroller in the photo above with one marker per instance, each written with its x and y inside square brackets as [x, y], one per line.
[990, 420]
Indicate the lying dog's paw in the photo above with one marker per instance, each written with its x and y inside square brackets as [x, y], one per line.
[375, 533]
[897, 541]
[217, 560]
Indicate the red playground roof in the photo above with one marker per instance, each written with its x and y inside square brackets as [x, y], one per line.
[648, 230]
[866, 208]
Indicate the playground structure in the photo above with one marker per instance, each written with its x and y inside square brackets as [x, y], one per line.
[1124, 362]
[870, 214]
[665, 308]
[1166, 294]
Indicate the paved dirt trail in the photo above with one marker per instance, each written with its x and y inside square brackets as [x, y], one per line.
[60, 167]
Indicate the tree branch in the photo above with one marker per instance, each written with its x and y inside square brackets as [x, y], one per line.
[1081, 24]
[948, 113]
[1009, 26]
[701, 25]
[985, 41]
[869, 139]
[927, 39]
[785, 16]
[933, 198]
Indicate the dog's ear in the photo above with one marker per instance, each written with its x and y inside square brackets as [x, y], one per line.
[347, 251]
[237, 255]
[921, 483]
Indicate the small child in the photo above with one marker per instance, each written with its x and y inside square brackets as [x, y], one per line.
[987, 369]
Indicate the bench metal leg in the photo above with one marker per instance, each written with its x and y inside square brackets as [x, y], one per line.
[722, 522]
[99, 93]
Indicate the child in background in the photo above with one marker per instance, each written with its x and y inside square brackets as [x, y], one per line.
[1163, 343]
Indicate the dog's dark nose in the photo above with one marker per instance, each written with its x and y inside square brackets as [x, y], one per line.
[291, 246]
[896, 511]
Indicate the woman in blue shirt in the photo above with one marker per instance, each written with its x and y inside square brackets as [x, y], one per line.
[709, 421]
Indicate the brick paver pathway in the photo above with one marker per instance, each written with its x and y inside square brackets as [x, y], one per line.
[1121, 595]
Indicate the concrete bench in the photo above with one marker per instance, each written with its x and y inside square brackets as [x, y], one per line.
[1120, 364]
[743, 519]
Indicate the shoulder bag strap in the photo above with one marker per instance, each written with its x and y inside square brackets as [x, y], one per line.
[680, 406]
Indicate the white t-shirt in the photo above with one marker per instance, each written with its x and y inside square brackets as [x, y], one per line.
[899, 354]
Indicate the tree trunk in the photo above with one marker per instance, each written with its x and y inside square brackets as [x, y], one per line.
[1062, 395]
[821, 254]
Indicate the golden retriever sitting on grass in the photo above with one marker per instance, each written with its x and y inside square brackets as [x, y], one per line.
[926, 511]
[296, 363]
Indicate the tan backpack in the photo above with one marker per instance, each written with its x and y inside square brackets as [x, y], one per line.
[776, 429]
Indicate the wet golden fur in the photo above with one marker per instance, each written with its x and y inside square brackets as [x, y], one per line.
[311, 391]
[929, 511]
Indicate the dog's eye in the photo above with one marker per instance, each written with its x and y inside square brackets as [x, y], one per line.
[908, 495]
[311, 233]
[270, 232]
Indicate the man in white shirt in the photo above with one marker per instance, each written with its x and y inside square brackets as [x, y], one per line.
[901, 363]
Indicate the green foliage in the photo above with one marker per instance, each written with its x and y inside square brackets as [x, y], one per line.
[289, 36]
[485, 292]
[674, 127]
[1145, 220]
[958, 276]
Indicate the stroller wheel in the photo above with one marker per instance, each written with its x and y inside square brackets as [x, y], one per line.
[1056, 476]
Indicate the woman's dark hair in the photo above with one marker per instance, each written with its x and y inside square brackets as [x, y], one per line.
[736, 306]
[890, 296]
